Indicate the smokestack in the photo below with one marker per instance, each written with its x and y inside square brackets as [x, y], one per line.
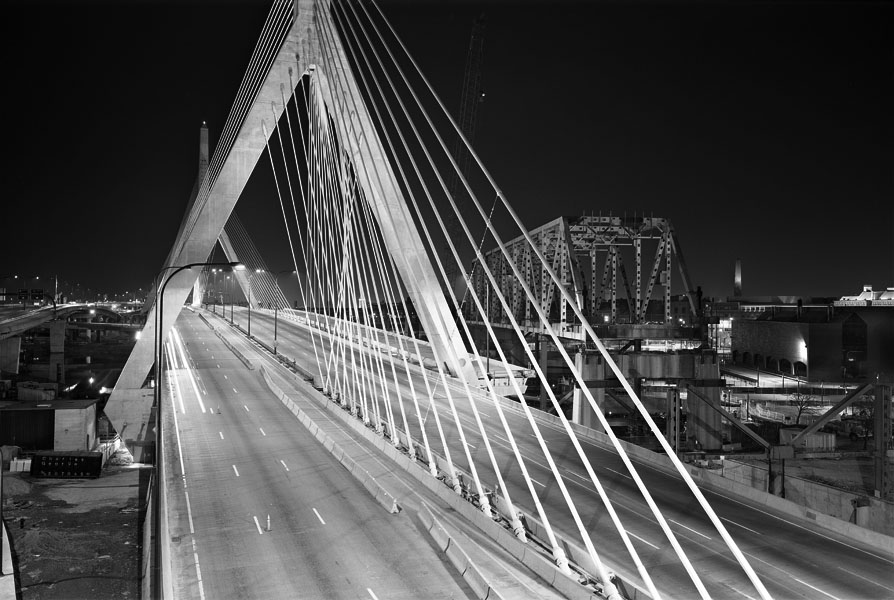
[737, 284]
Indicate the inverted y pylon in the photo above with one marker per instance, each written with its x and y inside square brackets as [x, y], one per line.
[235, 158]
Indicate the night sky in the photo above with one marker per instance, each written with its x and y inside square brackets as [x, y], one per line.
[763, 130]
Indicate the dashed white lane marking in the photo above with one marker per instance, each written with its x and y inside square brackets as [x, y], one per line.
[284, 464]
[619, 473]
[235, 390]
[740, 592]
[742, 526]
[816, 588]
[246, 408]
[258, 525]
[235, 470]
[218, 366]
[319, 517]
[372, 595]
[689, 528]
[221, 434]
[643, 541]
[262, 432]
[225, 377]
[537, 482]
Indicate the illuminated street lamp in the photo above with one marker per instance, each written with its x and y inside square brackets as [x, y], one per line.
[249, 298]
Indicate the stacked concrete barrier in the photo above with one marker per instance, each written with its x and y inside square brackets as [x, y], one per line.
[457, 556]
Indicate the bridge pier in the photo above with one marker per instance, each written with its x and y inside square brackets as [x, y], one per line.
[699, 370]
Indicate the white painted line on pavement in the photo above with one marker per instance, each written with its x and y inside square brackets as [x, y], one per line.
[178, 341]
[689, 528]
[731, 499]
[262, 432]
[741, 593]
[319, 517]
[374, 597]
[225, 377]
[816, 588]
[246, 408]
[619, 473]
[643, 541]
[484, 415]
[235, 470]
[867, 579]
[537, 482]
[192, 529]
[742, 526]
[470, 446]
[258, 525]
[235, 390]
[284, 464]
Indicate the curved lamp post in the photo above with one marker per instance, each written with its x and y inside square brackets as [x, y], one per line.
[159, 453]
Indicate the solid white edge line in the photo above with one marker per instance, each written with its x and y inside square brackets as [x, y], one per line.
[319, 517]
[192, 529]
[869, 580]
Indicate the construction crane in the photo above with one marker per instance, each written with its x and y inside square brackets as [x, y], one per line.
[472, 96]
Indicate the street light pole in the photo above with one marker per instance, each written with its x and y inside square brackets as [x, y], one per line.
[275, 305]
[159, 450]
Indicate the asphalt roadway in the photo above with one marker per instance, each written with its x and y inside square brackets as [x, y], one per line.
[237, 457]
[793, 559]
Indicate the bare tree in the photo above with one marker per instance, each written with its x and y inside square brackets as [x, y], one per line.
[801, 401]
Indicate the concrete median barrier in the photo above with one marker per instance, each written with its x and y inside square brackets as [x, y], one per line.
[452, 548]
[381, 495]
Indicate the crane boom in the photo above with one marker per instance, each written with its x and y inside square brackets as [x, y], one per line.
[472, 95]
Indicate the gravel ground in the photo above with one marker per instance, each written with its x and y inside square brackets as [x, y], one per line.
[75, 539]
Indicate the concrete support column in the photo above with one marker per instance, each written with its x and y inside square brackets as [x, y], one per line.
[591, 368]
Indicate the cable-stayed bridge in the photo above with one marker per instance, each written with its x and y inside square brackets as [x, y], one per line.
[359, 147]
